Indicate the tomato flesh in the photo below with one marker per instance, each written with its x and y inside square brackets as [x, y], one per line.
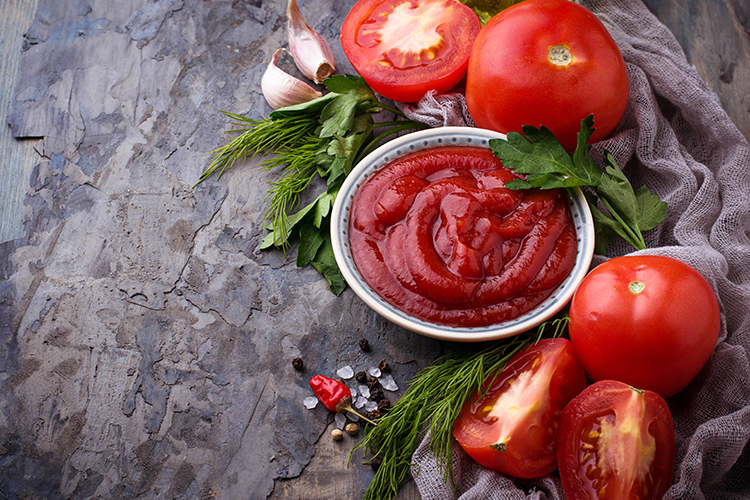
[649, 321]
[616, 442]
[403, 48]
[512, 427]
[550, 63]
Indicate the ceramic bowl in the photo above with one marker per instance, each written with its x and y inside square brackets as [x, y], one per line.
[430, 138]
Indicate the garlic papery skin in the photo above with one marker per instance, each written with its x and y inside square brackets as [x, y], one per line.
[311, 53]
[282, 89]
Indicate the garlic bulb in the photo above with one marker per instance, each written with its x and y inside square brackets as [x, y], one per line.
[282, 89]
[310, 51]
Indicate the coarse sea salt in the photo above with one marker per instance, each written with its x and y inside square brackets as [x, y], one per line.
[345, 372]
[388, 383]
[364, 391]
[310, 402]
[360, 402]
[374, 371]
[340, 420]
[371, 405]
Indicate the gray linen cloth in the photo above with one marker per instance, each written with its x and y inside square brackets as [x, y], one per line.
[676, 139]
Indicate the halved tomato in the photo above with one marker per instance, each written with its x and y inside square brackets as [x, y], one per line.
[615, 442]
[512, 426]
[403, 48]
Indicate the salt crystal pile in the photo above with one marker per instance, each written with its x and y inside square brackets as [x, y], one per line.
[310, 402]
[364, 391]
[361, 401]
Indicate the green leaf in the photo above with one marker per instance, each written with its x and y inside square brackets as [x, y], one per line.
[313, 107]
[349, 84]
[651, 210]
[325, 263]
[310, 242]
[606, 230]
[616, 190]
[324, 203]
[545, 162]
[279, 237]
[486, 9]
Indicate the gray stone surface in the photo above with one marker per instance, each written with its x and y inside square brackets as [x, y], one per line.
[145, 341]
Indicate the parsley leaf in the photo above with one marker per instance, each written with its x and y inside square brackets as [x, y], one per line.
[546, 165]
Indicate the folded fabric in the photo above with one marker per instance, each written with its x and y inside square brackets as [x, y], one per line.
[676, 139]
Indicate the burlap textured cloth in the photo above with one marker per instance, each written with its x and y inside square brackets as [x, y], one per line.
[676, 139]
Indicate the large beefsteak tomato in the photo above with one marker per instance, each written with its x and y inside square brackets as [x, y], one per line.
[403, 48]
[616, 442]
[649, 321]
[511, 425]
[550, 63]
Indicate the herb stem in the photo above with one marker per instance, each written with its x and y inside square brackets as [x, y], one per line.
[632, 236]
[400, 126]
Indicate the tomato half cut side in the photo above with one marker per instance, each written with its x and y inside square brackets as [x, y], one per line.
[616, 442]
[511, 425]
[404, 48]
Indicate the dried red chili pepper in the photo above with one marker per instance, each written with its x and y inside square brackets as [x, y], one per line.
[334, 395]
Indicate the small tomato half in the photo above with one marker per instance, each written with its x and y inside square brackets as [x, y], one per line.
[511, 426]
[550, 63]
[616, 442]
[404, 48]
[647, 320]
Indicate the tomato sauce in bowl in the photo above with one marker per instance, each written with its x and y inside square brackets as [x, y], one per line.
[436, 234]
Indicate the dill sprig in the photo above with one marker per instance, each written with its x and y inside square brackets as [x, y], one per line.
[324, 137]
[259, 137]
[432, 403]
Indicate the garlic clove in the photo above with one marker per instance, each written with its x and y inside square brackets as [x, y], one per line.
[282, 89]
[311, 53]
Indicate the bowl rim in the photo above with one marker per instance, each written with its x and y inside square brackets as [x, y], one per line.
[434, 137]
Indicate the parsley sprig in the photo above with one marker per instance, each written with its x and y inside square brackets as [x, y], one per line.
[547, 165]
[322, 138]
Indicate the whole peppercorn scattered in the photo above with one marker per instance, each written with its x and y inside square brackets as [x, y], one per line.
[377, 394]
[373, 383]
[384, 404]
[352, 429]
[364, 345]
[375, 414]
[361, 377]
[298, 364]
[337, 435]
[384, 366]
[376, 462]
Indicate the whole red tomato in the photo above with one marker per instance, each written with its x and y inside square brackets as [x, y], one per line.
[511, 427]
[616, 442]
[403, 48]
[546, 62]
[649, 321]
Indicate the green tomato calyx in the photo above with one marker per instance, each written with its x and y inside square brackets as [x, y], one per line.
[636, 287]
[559, 55]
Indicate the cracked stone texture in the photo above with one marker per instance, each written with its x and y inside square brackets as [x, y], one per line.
[145, 341]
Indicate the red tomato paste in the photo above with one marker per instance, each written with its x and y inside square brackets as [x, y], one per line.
[438, 235]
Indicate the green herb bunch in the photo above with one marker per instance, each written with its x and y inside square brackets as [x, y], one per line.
[433, 402]
[322, 138]
[547, 165]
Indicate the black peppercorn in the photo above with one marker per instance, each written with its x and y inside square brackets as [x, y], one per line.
[373, 383]
[376, 462]
[361, 377]
[376, 394]
[374, 414]
[384, 367]
[298, 364]
[384, 404]
[364, 345]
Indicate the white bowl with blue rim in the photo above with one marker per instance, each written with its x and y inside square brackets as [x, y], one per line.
[430, 138]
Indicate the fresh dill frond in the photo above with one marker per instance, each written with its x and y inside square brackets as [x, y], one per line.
[299, 169]
[259, 137]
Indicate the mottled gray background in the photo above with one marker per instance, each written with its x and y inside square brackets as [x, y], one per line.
[146, 342]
